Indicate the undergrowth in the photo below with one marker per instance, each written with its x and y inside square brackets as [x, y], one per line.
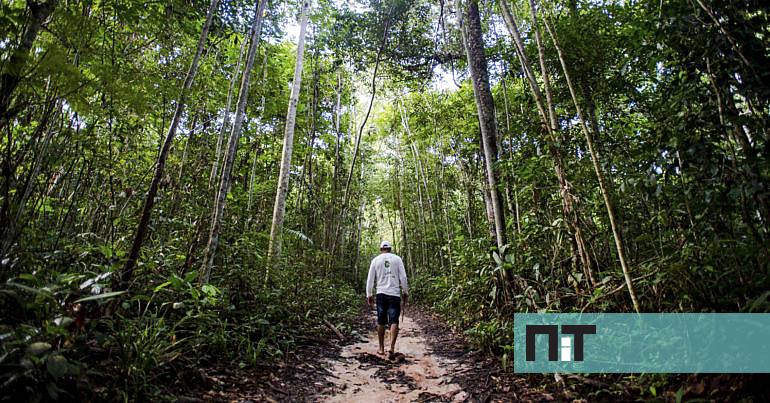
[64, 338]
[484, 288]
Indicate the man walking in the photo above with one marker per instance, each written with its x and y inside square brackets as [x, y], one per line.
[387, 272]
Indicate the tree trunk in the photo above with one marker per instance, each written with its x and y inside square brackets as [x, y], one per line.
[226, 117]
[488, 207]
[543, 69]
[473, 42]
[338, 222]
[346, 197]
[603, 187]
[279, 208]
[420, 215]
[310, 213]
[360, 221]
[180, 176]
[149, 201]
[232, 146]
[257, 148]
[406, 250]
[419, 168]
[333, 198]
[448, 226]
[14, 67]
[578, 245]
[13, 230]
[10, 77]
[509, 197]
[383, 44]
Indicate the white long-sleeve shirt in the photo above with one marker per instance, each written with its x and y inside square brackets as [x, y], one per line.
[387, 272]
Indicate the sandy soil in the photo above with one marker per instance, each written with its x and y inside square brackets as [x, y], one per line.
[435, 364]
[360, 375]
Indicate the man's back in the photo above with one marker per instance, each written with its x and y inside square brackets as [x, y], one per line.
[387, 272]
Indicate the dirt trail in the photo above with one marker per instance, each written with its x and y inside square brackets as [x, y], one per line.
[434, 365]
[360, 375]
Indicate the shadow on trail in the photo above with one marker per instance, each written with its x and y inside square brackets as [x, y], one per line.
[415, 374]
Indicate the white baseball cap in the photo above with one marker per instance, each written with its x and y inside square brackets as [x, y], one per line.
[385, 245]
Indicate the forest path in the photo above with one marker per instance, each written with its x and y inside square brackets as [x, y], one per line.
[434, 363]
[359, 374]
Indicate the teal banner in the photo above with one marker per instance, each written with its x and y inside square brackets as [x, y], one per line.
[647, 342]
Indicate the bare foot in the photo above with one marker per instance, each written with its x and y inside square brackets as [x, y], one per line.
[391, 355]
[381, 351]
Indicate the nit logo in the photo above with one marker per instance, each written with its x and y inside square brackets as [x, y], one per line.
[577, 331]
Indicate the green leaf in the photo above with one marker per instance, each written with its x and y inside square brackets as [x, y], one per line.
[57, 366]
[679, 395]
[759, 302]
[299, 235]
[176, 281]
[38, 348]
[105, 250]
[496, 256]
[63, 321]
[162, 286]
[101, 296]
[210, 290]
[191, 276]
[42, 291]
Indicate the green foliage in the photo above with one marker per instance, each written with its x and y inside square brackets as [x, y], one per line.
[155, 337]
[676, 95]
[679, 115]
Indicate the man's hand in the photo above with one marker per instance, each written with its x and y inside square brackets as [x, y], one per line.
[370, 300]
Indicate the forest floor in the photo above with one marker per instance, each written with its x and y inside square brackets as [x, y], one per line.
[433, 364]
[414, 373]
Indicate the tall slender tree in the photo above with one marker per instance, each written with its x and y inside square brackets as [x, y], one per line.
[149, 200]
[11, 74]
[604, 186]
[13, 69]
[578, 244]
[232, 145]
[279, 208]
[473, 42]
[226, 117]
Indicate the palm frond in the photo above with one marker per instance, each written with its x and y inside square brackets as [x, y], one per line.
[299, 235]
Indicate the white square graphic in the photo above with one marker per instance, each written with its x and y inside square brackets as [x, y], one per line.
[566, 348]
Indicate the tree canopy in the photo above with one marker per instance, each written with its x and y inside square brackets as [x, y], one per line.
[522, 156]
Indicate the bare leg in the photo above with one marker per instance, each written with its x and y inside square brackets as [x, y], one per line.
[393, 337]
[381, 337]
